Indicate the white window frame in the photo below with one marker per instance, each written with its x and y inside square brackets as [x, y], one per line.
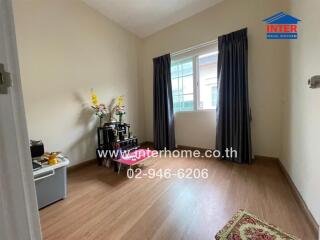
[195, 52]
[182, 61]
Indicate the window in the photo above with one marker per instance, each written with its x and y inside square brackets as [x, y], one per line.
[182, 85]
[207, 81]
[194, 81]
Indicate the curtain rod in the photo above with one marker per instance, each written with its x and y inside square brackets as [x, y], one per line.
[194, 47]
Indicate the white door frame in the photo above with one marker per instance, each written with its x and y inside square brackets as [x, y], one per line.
[19, 216]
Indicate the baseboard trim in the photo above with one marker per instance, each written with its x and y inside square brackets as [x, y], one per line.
[191, 148]
[308, 215]
[264, 158]
[300, 200]
[147, 144]
[81, 165]
[183, 147]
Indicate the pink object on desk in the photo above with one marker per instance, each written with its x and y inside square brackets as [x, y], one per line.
[135, 157]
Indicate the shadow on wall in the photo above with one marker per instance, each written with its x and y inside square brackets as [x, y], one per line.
[83, 149]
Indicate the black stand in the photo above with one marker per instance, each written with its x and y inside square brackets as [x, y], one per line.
[114, 138]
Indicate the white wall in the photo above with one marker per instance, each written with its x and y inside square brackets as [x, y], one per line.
[189, 133]
[66, 48]
[301, 151]
[267, 70]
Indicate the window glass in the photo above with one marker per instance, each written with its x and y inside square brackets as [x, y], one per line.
[208, 81]
[200, 71]
[182, 85]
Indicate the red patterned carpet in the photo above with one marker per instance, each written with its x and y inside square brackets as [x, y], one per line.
[245, 226]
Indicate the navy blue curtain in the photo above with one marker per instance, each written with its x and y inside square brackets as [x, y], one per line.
[233, 109]
[163, 116]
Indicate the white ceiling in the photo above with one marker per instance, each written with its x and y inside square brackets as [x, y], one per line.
[145, 17]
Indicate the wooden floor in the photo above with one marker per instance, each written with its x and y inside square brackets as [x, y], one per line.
[104, 205]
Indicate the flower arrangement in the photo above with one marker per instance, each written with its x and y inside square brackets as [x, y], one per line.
[120, 108]
[100, 109]
[116, 107]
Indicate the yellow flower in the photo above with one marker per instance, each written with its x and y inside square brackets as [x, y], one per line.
[94, 98]
[120, 101]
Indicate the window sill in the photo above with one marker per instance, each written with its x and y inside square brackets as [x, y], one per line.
[200, 110]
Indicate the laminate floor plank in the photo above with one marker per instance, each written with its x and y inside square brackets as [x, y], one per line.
[103, 205]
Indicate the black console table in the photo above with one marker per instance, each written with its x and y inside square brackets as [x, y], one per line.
[115, 137]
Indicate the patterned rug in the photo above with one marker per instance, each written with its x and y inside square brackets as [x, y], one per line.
[245, 226]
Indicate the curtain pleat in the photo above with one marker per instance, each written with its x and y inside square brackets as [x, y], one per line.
[233, 108]
[163, 117]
